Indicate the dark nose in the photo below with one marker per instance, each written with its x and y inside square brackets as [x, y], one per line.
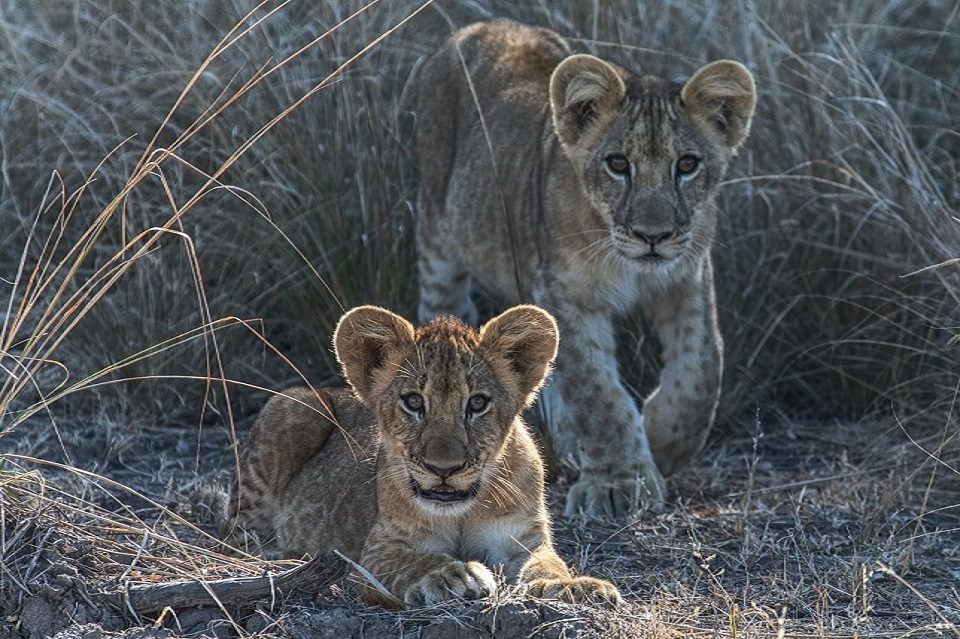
[443, 472]
[651, 238]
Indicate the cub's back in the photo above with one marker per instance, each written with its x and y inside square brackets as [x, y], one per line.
[509, 67]
[468, 164]
[505, 56]
[306, 481]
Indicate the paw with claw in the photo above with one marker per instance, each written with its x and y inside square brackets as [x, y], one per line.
[604, 497]
[576, 590]
[456, 580]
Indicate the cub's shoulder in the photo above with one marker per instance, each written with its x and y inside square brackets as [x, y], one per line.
[297, 421]
[302, 404]
[510, 48]
[507, 37]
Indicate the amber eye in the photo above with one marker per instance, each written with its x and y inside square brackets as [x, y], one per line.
[477, 404]
[413, 402]
[618, 164]
[687, 164]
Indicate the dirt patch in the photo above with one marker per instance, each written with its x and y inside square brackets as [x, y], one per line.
[506, 620]
[804, 532]
[60, 583]
[94, 631]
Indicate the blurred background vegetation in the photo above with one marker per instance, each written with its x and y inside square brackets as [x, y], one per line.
[144, 204]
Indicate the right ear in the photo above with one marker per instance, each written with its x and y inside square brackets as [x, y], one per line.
[581, 88]
[363, 339]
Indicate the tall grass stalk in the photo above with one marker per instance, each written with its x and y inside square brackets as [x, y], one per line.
[261, 159]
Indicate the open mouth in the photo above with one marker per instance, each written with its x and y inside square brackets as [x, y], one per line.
[444, 492]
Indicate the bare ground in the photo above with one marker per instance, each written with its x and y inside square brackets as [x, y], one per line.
[782, 529]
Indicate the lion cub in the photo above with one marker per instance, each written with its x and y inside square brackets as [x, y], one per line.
[583, 187]
[423, 468]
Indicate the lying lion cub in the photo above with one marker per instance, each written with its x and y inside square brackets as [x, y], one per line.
[424, 469]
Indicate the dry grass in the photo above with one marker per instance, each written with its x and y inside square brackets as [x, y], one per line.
[792, 533]
[193, 193]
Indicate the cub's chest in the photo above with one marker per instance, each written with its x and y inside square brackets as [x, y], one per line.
[591, 280]
[501, 544]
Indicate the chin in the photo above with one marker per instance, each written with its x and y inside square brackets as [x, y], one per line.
[445, 509]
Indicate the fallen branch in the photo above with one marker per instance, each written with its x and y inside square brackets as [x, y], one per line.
[311, 576]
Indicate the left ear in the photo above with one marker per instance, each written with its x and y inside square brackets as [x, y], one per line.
[527, 337]
[724, 95]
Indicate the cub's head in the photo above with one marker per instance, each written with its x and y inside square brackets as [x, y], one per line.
[445, 395]
[650, 153]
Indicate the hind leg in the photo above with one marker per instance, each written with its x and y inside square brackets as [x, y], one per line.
[445, 284]
[289, 431]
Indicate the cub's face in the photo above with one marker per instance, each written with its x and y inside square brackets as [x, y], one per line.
[650, 154]
[445, 395]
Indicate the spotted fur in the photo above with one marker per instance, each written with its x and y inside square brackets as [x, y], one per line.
[518, 146]
[430, 495]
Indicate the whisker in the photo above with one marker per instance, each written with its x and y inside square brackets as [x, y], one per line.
[603, 247]
[593, 244]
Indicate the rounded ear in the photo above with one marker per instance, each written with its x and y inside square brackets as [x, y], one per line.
[527, 337]
[581, 88]
[362, 341]
[723, 93]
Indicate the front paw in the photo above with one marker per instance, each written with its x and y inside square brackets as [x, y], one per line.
[577, 590]
[602, 496]
[456, 580]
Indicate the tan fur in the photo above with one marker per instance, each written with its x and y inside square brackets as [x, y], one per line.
[354, 471]
[517, 194]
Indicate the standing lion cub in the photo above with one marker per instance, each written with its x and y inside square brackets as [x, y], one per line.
[423, 468]
[575, 184]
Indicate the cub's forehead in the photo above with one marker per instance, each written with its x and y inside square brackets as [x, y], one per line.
[444, 368]
[447, 331]
[447, 356]
[654, 118]
[646, 87]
